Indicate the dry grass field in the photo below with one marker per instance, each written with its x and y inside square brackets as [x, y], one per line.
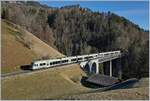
[44, 84]
[20, 47]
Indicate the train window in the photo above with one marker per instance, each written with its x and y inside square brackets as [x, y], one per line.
[58, 61]
[41, 64]
[64, 61]
[90, 56]
[51, 63]
[86, 57]
[55, 62]
[73, 59]
[106, 54]
[35, 64]
[79, 58]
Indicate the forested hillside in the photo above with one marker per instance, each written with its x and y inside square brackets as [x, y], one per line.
[74, 30]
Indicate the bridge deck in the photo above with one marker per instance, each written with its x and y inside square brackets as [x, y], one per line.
[102, 80]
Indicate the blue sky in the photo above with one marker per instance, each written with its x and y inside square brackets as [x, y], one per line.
[135, 11]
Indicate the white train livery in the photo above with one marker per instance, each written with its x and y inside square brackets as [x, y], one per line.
[41, 64]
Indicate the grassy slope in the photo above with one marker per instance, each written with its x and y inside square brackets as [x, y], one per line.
[45, 84]
[139, 93]
[123, 94]
[15, 53]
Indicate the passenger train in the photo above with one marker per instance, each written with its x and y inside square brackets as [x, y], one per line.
[41, 64]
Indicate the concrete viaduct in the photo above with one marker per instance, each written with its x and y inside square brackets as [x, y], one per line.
[89, 62]
[92, 65]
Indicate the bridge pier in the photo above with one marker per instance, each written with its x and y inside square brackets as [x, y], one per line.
[119, 68]
[97, 72]
[110, 69]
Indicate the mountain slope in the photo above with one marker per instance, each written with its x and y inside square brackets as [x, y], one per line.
[19, 47]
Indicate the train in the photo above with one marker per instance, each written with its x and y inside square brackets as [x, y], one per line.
[50, 63]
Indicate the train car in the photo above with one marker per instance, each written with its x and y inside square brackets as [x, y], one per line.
[44, 64]
[40, 64]
[50, 63]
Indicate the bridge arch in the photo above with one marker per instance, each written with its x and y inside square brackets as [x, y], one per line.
[87, 67]
[94, 68]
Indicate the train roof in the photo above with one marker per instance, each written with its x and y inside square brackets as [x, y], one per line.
[55, 59]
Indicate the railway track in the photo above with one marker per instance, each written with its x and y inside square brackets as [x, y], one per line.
[53, 67]
[15, 73]
[4, 75]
